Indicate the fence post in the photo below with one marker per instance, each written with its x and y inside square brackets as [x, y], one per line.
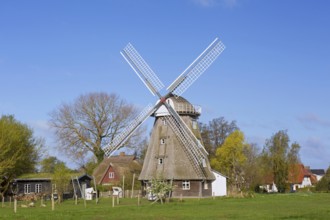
[53, 204]
[15, 204]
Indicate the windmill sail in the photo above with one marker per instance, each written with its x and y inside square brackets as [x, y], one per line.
[120, 139]
[183, 82]
[142, 69]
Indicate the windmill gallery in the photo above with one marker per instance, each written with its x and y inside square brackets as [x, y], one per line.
[175, 152]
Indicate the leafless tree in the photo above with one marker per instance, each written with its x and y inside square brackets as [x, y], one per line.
[90, 123]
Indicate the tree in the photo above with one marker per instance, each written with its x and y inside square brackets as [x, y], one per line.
[215, 133]
[229, 159]
[61, 179]
[160, 188]
[278, 157]
[19, 150]
[324, 184]
[251, 169]
[90, 123]
[48, 164]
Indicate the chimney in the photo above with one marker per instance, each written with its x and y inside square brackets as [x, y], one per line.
[122, 154]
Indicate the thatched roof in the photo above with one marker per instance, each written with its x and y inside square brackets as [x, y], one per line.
[121, 165]
[169, 160]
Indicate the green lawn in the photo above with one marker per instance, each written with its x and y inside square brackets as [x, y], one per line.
[276, 206]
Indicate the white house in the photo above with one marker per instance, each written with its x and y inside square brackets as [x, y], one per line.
[219, 185]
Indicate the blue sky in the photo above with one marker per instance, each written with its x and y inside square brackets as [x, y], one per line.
[273, 75]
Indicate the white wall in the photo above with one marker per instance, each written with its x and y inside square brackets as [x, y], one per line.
[219, 185]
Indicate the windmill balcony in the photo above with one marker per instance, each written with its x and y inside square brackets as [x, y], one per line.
[187, 108]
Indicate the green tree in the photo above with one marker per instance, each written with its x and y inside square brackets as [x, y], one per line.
[229, 159]
[90, 123]
[215, 132]
[19, 150]
[324, 184]
[48, 164]
[251, 169]
[61, 180]
[278, 156]
[160, 188]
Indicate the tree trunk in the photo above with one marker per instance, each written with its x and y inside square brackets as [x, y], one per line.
[99, 154]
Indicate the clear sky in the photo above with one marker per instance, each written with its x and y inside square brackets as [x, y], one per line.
[274, 74]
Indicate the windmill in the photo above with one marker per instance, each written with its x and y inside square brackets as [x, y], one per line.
[175, 151]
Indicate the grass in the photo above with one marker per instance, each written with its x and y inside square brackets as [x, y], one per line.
[276, 206]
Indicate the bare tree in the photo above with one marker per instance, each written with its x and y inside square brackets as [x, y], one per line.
[90, 123]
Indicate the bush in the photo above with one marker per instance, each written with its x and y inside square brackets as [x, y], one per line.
[324, 184]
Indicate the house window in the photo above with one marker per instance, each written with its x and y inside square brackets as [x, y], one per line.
[160, 160]
[162, 141]
[186, 185]
[38, 188]
[27, 188]
[111, 175]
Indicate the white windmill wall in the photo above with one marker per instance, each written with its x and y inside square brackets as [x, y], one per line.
[219, 185]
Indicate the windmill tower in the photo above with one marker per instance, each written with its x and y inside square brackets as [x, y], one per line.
[175, 152]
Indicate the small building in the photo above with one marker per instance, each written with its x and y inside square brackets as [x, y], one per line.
[33, 185]
[111, 170]
[80, 184]
[219, 185]
[41, 184]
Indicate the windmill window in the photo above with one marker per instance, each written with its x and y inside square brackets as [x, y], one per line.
[27, 188]
[204, 162]
[186, 185]
[160, 160]
[162, 141]
[194, 125]
[164, 121]
[38, 188]
[111, 175]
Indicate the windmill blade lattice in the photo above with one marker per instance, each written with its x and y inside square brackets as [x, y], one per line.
[120, 139]
[187, 145]
[197, 147]
[183, 82]
[142, 69]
